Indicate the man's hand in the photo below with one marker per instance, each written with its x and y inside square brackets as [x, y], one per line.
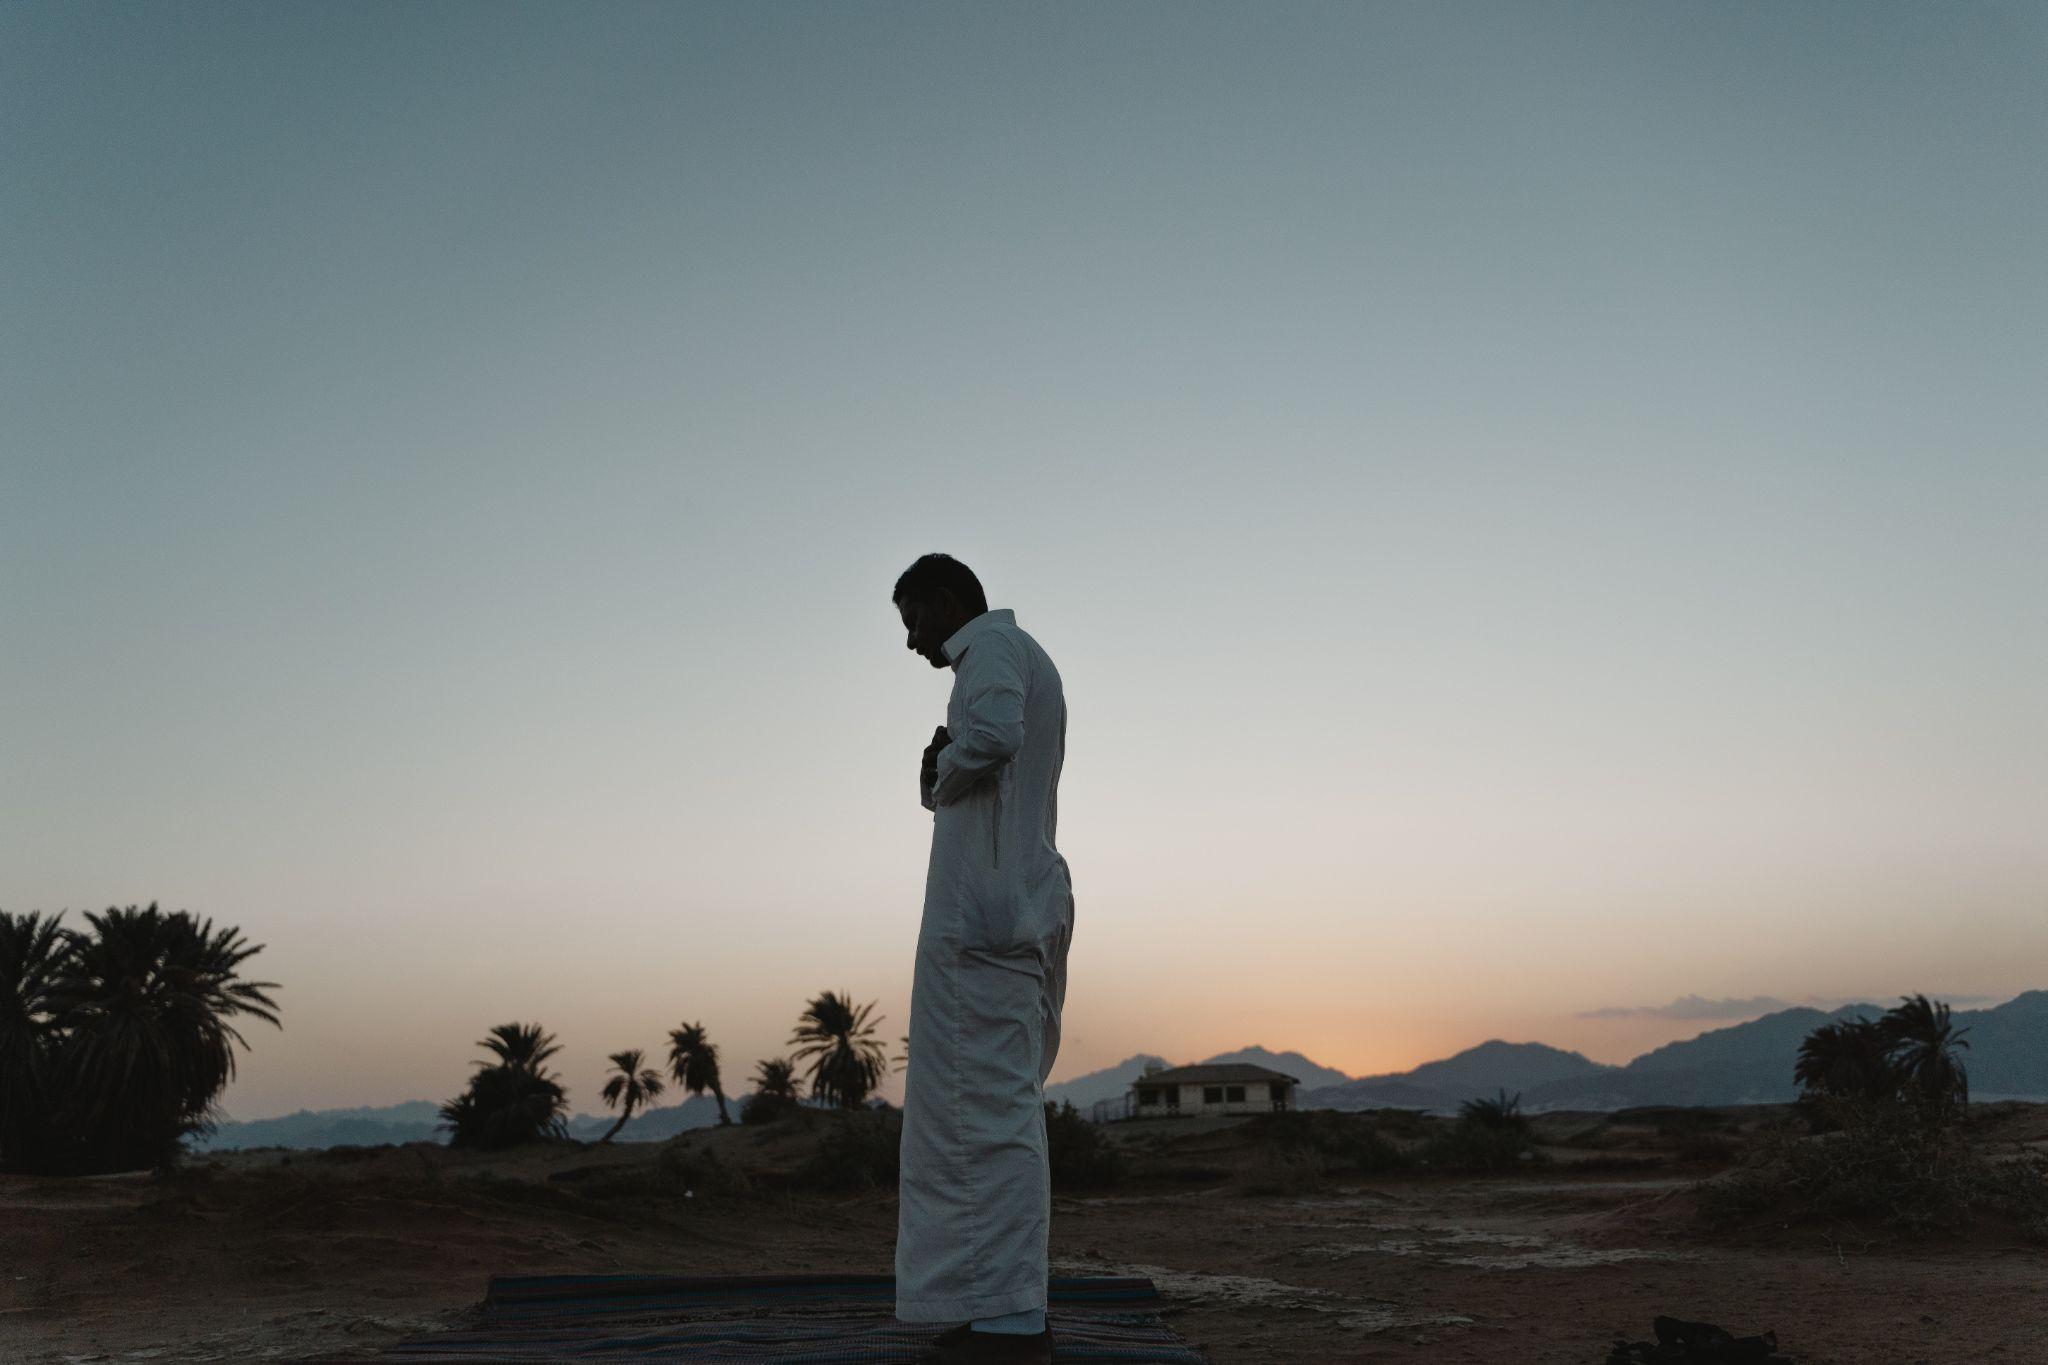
[929, 773]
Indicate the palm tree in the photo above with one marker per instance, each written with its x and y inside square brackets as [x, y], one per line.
[1503, 1111]
[520, 1047]
[1923, 1049]
[775, 1091]
[145, 1003]
[693, 1061]
[32, 951]
[776, 1077]
[903, 1057]
[514, 1100]
[501, 1107]
[1848, 1059]
[635, 1084]
[847, 1062]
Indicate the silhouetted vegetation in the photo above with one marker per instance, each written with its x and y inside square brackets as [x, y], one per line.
[1885, 1101]
[632, 1085]
[116, 1043]
[838, 1040]
[858, 1150]
[1488, 1135]
[1339, 1142]
[513, 1100]
[775, 1091]
[1883, 1159]
[1908, 1056]
[693, 1061]
[1079, 1156]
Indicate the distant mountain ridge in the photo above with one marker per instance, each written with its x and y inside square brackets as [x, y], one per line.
[1477, 1071]
[419, 1121]
[412, 1121]
[1746, 1063]
[1111, 1083]
[1309, 1073]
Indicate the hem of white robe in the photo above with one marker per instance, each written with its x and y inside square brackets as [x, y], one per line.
[965, 1310]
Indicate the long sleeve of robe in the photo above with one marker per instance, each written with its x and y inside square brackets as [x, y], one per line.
[987, 990]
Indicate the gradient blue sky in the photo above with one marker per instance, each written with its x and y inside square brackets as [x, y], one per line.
[1539, 507]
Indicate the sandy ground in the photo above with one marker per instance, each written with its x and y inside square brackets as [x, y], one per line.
[269, 1256]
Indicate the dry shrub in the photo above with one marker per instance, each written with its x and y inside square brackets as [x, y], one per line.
[1079, 1155]
[858, 1151]
[1910, 1167]
[1340, 1143]
[1288, 1170]
[682, 1169]
[765, 1107]
[1673, 1121]
[1406, 1124]
[1487, 1135]
[1473, 1147]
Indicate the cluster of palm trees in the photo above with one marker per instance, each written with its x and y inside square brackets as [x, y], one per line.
[692, 1064]
[513, 1098]
[116, 1041]
[1907, 1055]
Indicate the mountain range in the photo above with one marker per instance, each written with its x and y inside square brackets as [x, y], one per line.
[419, 1121]
[1747, 1063]
[1110, 1083]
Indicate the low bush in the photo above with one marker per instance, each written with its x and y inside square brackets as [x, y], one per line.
[1079, 1155]
[1487, 1135]
[1343, 1142]
[1462, 1147]
[858, 1150]
[1288, 1170]
[683, 1169]
[1907, 1165]
[765, 1107]
[1673, 1120]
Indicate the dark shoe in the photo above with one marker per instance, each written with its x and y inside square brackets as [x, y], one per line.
[964, 1346]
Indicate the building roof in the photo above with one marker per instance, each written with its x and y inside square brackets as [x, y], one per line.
[1227, 1073]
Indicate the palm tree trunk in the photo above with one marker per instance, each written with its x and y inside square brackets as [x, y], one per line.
[613, 1131]
[719, 1095]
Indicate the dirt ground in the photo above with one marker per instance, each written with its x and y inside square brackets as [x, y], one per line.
[269, 1255]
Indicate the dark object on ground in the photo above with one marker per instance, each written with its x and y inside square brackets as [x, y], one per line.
[1697, 1343]
[965, 1346]
[769, 1320]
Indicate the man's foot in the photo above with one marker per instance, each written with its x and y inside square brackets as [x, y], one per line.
[963, 1345]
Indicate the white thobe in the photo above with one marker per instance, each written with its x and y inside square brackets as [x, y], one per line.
[991, 977]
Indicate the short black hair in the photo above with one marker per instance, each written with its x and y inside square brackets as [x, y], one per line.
[923, 581]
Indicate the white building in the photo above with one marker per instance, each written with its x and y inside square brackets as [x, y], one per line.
[1230, 1088]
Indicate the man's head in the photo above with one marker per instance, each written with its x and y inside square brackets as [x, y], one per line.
[936, 596]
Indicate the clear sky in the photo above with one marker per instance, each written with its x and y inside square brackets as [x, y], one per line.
[1539, 508]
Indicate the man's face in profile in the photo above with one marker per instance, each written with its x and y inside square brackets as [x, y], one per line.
[926, 631]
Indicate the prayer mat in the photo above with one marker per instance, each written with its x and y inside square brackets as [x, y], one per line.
[771, 1320]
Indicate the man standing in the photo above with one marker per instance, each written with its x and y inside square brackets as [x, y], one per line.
[991, 977]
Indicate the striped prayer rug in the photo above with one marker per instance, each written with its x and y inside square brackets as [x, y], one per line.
[771, 1320]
